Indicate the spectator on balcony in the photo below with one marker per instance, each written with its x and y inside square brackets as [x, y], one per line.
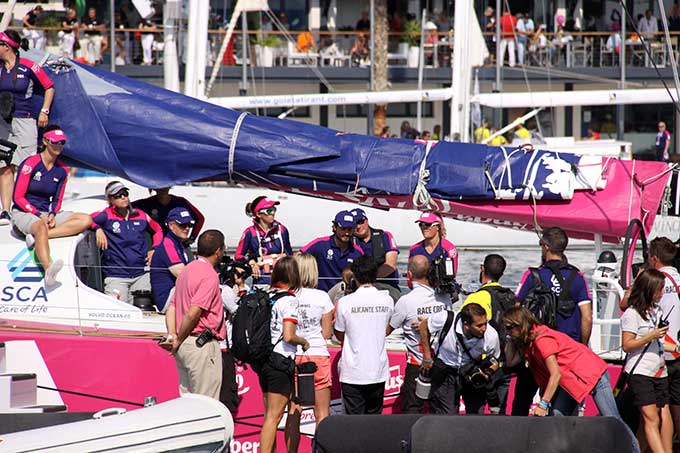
[121, 23]
[395, 24]
[613, 43]
[508, 25]
[560, 41]
[35, 37]
[363, 24]
[525, 28]
[648, 26]
[305, 42]
[482, 132]
[148, 38]
[69, 34]
[266, 25]
[489, 27]
[674, 17]
[359, 52]
[407, 131]
[92, 37]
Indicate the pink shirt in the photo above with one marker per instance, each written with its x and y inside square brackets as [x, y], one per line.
[580, 367]
[198, 285]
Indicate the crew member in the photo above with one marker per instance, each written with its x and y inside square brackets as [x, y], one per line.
[195, 320]
[120, 233]
[158, 207]
[334, 253]
[265, 241]
[21, 77]
[38, 193]
[171, 257]
[464, 338]
[362, 319]
[434, 244]
[662, 142]
[574, 315]
[379, 244]
[418, 304]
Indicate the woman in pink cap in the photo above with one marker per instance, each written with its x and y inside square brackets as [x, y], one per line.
[434, 243]
[38, 192]
[22, 78]
[265, 241]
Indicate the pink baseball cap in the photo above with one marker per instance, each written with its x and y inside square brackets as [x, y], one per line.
[429, 217]
[55, 136]
[265, 203]
[9, 41]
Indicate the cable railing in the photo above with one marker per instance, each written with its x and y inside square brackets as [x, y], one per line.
[349, 48]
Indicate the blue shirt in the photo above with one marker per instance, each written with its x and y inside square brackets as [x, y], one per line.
[389, 245]
[330, 260]
[578, 291]
[125, 256]
[171, 251]
[256, 243]
[444, 248]
[37, 189]
[22, 81]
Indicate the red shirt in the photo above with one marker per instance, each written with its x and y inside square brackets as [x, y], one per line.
[198, 285]
[508, 25]
[580, 367]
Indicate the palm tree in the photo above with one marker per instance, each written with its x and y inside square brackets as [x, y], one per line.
[380, 68]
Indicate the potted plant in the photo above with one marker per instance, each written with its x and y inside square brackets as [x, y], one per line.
[411, 38]
[264, 48]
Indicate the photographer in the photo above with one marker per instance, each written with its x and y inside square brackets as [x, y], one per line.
[171, 256]
[420, 303]
[466, 358]
[196, 308]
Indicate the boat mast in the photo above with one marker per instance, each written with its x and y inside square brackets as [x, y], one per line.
[243, 89]
[421, 64]
[197, 43]
[171, 18]
[621, 109]
[7, 16]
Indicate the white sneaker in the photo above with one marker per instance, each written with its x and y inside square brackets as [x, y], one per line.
[52, 271]
[30, 241]
[5, 218]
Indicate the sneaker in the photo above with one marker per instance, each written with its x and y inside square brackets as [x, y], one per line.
[52, 271]
[30, 241]
[5, 218]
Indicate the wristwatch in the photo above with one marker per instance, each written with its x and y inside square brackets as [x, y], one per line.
[45, 111]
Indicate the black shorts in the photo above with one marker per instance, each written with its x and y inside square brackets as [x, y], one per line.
[648, 390]
[273, 380]
[673, 367]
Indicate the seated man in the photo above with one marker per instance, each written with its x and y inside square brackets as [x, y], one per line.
[171, 256]
[159, 206]
[120, 233]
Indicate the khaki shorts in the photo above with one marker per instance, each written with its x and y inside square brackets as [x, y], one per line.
[23, 221]
[25, 135]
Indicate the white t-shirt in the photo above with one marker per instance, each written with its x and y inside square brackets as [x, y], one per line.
[363, 317]
[652, 363]
[451, 352]
[312, 305]
[670, 306]
[420, 303]
[284, 309]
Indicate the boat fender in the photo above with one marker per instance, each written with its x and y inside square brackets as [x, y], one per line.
[108, 412]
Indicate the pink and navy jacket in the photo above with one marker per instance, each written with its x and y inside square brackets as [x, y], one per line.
[171, 251]
[21, 81]
[39, 190]
[125, 256]
[444, 248]
[330, 260]
[159, 212]
[255, 243]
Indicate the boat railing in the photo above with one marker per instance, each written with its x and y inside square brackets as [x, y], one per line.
[606, 334]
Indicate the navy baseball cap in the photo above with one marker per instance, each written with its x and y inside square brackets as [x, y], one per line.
[345, 219]
[359, 214]
[180, 215]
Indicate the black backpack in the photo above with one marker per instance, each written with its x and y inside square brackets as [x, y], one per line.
[251, 340]
[543, 303]
[502, 299]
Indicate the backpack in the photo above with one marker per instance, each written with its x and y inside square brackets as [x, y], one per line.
[251, 340]
[502, 299]
[544, 304]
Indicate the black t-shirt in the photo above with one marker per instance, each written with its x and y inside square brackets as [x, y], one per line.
[32, 18]
[363, 25]
[70, 23]
[94, 23]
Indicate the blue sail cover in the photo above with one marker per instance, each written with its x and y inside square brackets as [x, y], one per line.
[158, 138]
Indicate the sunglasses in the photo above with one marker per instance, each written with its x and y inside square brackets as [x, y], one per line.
[425, 225]
[3, 44]
[184, 226]
[268, 211]
[511, 326]
[361, 222]
[57, 143]
[120, 195]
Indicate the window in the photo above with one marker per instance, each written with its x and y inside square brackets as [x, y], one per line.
[394, 110]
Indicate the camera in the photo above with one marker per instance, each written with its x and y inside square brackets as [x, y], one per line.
[228, 269]
[478, 374]
[204, 337]
[6, 151]
[442, 277]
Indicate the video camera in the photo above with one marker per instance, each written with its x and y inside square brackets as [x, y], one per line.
[229, 269]
[443, 278]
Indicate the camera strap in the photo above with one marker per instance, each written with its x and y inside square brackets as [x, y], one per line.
[450, 317]
[461, 340]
